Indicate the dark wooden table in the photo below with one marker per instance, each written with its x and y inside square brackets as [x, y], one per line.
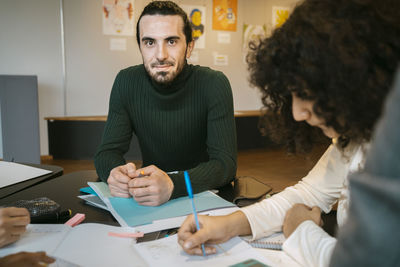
[64, 190]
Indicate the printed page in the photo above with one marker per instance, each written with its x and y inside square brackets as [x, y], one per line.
[167, 252]
[90, 245]
[12, 173]
[38, 237]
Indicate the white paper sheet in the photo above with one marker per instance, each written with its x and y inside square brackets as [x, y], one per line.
[224, 38]
[118, 44]
[167, 252]
[38, 237]
[12, 173]
[84, 245]
[90, 245]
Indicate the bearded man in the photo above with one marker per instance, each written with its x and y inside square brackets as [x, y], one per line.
[181, 114]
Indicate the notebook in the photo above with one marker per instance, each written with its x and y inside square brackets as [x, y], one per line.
[274, 241]
[85, 245]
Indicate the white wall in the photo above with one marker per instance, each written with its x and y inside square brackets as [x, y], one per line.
[30, 43]
[90, 65]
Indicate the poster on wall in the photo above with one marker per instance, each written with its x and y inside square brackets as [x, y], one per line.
[252, 33]
[279, 16]
[118, 17]
[197, 18]
[224, 15]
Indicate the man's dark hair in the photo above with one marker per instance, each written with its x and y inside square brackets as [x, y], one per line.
[166, 8]
[341, 54]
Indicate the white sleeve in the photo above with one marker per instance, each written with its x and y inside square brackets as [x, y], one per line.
[309, 245]
[321, 187]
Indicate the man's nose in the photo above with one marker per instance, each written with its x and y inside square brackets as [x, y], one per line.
[300, 110]
[162, 53]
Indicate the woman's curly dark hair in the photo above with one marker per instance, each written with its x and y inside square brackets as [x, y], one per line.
[342, 54]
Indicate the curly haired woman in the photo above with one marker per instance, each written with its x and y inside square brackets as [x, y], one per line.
[329, 67]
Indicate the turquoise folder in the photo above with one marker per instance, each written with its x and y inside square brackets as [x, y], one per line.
[135, 214]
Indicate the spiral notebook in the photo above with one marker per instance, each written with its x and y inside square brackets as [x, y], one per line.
[274, 241]
[266, 244]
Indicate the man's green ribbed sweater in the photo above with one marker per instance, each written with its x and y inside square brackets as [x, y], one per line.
[186, 125]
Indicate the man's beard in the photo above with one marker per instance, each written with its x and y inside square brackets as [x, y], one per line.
[164, 77]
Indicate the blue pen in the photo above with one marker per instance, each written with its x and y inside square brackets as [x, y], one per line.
[190, 193]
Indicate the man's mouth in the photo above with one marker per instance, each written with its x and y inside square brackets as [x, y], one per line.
[162, 65]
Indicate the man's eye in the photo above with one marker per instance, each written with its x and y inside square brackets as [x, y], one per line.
[148, 42]
[171, 41]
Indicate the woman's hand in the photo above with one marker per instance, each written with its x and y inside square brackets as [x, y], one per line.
[298, 214]
[13, 222]
[213, 230]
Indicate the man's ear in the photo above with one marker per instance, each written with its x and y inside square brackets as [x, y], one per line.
[189, 49]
